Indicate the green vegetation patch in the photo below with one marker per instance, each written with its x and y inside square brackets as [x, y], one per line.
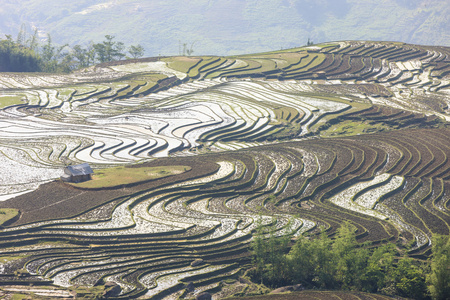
[341, 262]
[312, 61]
[7, 214]
[94, 292]
[183, 63]
[113, 177]
[348, 128]
[20, 297]
[5, 259]
[66, 93]
[8, 100]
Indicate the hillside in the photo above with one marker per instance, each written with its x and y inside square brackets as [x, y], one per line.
[297, 142]
[232, 26]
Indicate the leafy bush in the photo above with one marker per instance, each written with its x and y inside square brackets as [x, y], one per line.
[343, 263]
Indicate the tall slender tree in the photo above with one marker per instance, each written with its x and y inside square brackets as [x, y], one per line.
[439, 278]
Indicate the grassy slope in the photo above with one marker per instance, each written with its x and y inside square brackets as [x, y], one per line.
[6, 100]
[113, 177]
[7, 214]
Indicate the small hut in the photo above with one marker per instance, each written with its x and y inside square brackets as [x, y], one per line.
[77, 173]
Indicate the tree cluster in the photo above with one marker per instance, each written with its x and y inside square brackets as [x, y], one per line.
[344, 264]
[15, 57]
[26, 54]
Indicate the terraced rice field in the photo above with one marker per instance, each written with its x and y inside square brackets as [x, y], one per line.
[299, 140]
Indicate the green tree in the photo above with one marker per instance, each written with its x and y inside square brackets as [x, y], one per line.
[26, 55]
[258, 251]
[48, 50]
[32, 42]
[269, 255]
[410, 279]
[90, 54]
[53, 57]
[100, 52]
[350, 261]
[185, 49]
[17, 58]
[109, 50]
[378, 273]
[439, 277]
[136, 51]
[83, 57]
[8, 43]
[21, 36]
[276, 258]
[311, 261]
[343, 263]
